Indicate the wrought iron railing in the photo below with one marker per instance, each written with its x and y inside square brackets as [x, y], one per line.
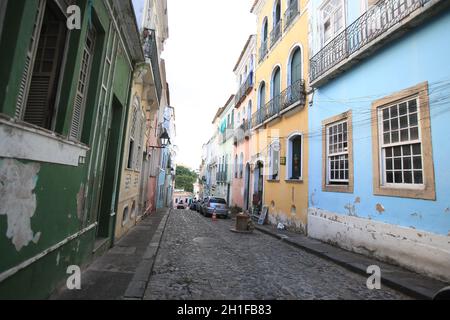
[275, 34]
[291, 13]
[374, 22]
[151, 52]
[263, 50]
[242, 132]
[244, 89]
[293, 95]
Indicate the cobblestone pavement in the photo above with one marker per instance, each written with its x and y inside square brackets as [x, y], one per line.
[202, 259]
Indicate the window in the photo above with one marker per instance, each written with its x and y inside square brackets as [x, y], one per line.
[134, 131]
[294, 157]
[236, 168]
[402, 138]
[337, 154]
[241, 166]
[83, 84]
[332, 19]
[274, 160]
[295, 67]
[40, 78]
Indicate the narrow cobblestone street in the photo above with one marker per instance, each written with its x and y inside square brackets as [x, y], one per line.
[202, 259]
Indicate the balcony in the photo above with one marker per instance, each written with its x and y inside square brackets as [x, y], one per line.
[244, 89]
[242, 132]
[275, 34]
[290, 14]
[293, 96]
[151, 53]
[369, 32]
[263, 50]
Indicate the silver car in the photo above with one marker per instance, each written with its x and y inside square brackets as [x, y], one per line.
[217, 205]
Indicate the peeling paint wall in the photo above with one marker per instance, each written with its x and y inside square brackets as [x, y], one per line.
[419, 251]
[18, 200]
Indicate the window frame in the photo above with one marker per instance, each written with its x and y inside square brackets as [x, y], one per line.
[340, 118]
[427, 190]
[290, 154]
[331, 20]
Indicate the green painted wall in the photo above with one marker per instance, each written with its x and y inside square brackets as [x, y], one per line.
[56, 216]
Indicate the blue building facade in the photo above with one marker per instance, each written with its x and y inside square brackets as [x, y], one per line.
[379, 176]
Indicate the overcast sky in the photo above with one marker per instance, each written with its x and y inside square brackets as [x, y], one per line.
[206, 38]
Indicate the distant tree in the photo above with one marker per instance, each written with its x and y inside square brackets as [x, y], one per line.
[185, 179]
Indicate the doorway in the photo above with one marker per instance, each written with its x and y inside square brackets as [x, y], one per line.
[111, 170]
[247, 187]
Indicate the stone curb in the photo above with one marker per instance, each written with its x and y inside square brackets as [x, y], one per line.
[407, 282]
[138, 285]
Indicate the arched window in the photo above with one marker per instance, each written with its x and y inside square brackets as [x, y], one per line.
[262, 95]
[241, 166]
[276, 13]
[264, 30]
[275, 91]
[295, 66]
[294, 157]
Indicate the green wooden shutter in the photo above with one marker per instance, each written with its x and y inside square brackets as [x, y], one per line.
[82, 87]
[29, 62]
[42, 93]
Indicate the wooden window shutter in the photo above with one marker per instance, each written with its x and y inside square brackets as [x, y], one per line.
[29, 62]
[82, 87]
[42, 92]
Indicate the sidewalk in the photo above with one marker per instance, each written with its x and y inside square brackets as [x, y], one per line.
[408, 282]
[122, 272]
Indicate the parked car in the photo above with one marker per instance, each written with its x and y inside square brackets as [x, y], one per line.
[193, 205]
[217, 205]
[181, 205]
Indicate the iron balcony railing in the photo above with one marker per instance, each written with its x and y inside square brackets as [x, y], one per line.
[275, 34]
[244, 89]
[151, 52]
[291, 13]
[293, 95]
[242, 132]
[373, 23]
[263, 50]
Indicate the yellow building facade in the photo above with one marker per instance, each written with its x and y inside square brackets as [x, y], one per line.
[279, 143]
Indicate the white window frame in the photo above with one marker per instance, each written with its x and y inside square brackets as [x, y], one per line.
[322, 21]
[382, 147]
[329, 155]
[290, 154]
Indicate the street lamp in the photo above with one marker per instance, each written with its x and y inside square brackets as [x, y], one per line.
[165, 139]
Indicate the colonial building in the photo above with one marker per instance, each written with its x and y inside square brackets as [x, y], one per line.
[64, 99]
[279, 159]
[378, 130]
[150, 95]
[225, 133]
[244, 99]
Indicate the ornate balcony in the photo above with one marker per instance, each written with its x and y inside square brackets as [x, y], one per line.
[293, 96]
[290, 14]
[242, 132]
[275, 34]
[244, 89]
[151, 53]
[360, 36]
